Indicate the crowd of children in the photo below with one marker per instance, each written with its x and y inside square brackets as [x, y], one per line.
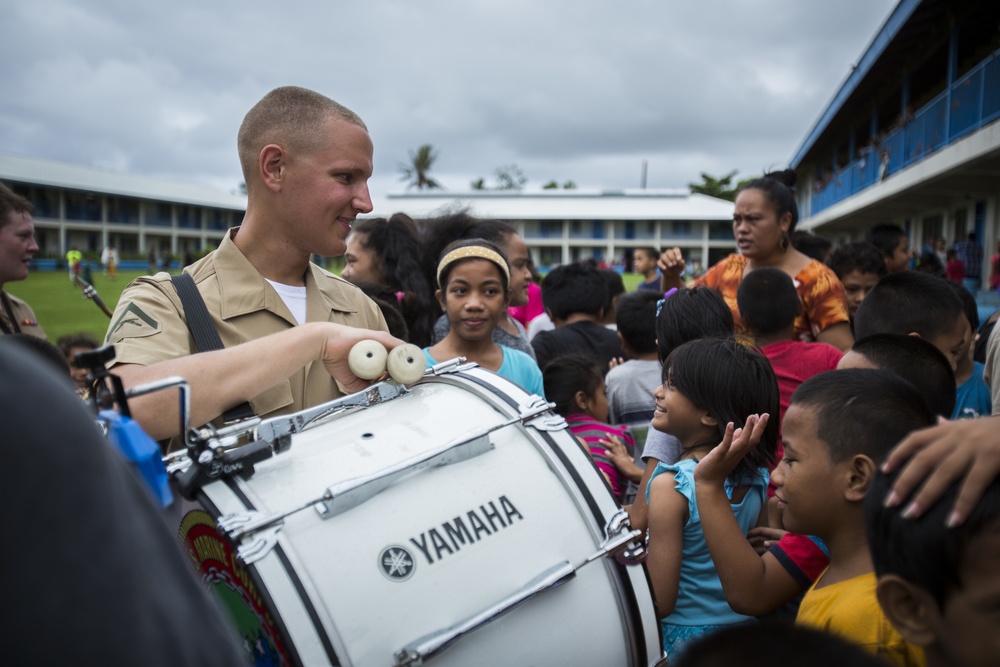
[751, 460]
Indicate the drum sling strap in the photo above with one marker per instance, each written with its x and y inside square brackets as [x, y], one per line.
[206, 337]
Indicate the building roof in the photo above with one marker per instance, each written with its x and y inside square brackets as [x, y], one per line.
[93, 179]
[889, 30]
[581, 204]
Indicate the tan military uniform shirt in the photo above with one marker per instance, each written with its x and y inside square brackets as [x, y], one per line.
[24, 317]
[148, 325]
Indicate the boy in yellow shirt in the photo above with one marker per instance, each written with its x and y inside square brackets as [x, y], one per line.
[837, 429]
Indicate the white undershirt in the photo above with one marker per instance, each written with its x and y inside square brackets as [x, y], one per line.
[294, 298]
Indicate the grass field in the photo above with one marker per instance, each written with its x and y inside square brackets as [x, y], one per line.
[61, 308]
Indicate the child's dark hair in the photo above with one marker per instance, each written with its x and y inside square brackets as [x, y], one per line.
[731, 380]
[385, 299]
[438, 233]
[574, 288]
[924, 551]
[908, 302]
[648, 250]
[446, 270]
[862, 411]
[916, 361]
[969, 305]
[811, 245]
[40, 349]
[767, 300]
[770, 643]
[397, 243]
[778, 187]
[886, 238]
[565, 375]
[688, 314]
[862, 257]
[616, 287]
[636, 320]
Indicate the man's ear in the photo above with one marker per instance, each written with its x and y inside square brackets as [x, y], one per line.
[910, 609]
[860, 472]
[271, 162]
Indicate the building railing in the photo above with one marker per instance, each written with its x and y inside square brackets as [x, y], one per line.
[974, 102]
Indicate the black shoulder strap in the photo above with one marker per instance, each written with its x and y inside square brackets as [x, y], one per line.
[206, 336]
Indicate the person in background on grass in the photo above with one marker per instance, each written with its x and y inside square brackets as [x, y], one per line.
[644, 263]
[17, 247]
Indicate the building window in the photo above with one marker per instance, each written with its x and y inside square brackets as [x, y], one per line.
[84, 206]
[720, 231]
[159, 215]
[123, 211]
[217, 219]
[188, 217]
[543, 229]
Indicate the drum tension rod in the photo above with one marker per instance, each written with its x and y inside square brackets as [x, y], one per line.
[350, 493]
[432, 645]
[213, 453]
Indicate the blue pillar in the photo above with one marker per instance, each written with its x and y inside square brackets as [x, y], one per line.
[952, 67]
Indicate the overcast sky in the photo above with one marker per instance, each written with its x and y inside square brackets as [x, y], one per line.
[566, 89]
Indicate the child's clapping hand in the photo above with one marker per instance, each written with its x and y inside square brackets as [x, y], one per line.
[720, 462]
[621, 458]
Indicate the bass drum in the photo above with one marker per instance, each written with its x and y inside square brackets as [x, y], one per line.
[378, 553]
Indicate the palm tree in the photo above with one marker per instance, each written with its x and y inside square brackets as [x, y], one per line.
[421, 161]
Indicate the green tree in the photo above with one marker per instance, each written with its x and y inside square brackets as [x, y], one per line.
[416, 172]
[722, 187]
[510, 177]
[554, 185]
[478, 184]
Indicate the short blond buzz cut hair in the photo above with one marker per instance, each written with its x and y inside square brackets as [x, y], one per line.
[288, 116]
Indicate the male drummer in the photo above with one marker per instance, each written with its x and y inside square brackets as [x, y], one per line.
[17, 247]
[306, 161]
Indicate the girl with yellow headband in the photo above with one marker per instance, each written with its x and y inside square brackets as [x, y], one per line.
[473, 289]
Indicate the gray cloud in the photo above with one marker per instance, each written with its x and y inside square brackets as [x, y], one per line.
[580, 90]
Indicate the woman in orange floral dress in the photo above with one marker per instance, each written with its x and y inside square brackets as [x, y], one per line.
[764, 217]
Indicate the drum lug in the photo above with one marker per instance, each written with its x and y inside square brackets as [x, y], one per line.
[265, 534]
[617, 526]
[455, 365]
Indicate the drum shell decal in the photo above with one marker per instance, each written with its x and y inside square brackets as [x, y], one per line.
[229, 581]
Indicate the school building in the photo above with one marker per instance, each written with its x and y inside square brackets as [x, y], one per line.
[912, 136]
[90, 208]
[563, 226]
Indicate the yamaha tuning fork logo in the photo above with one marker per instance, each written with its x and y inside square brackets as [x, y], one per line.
[396, 563]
